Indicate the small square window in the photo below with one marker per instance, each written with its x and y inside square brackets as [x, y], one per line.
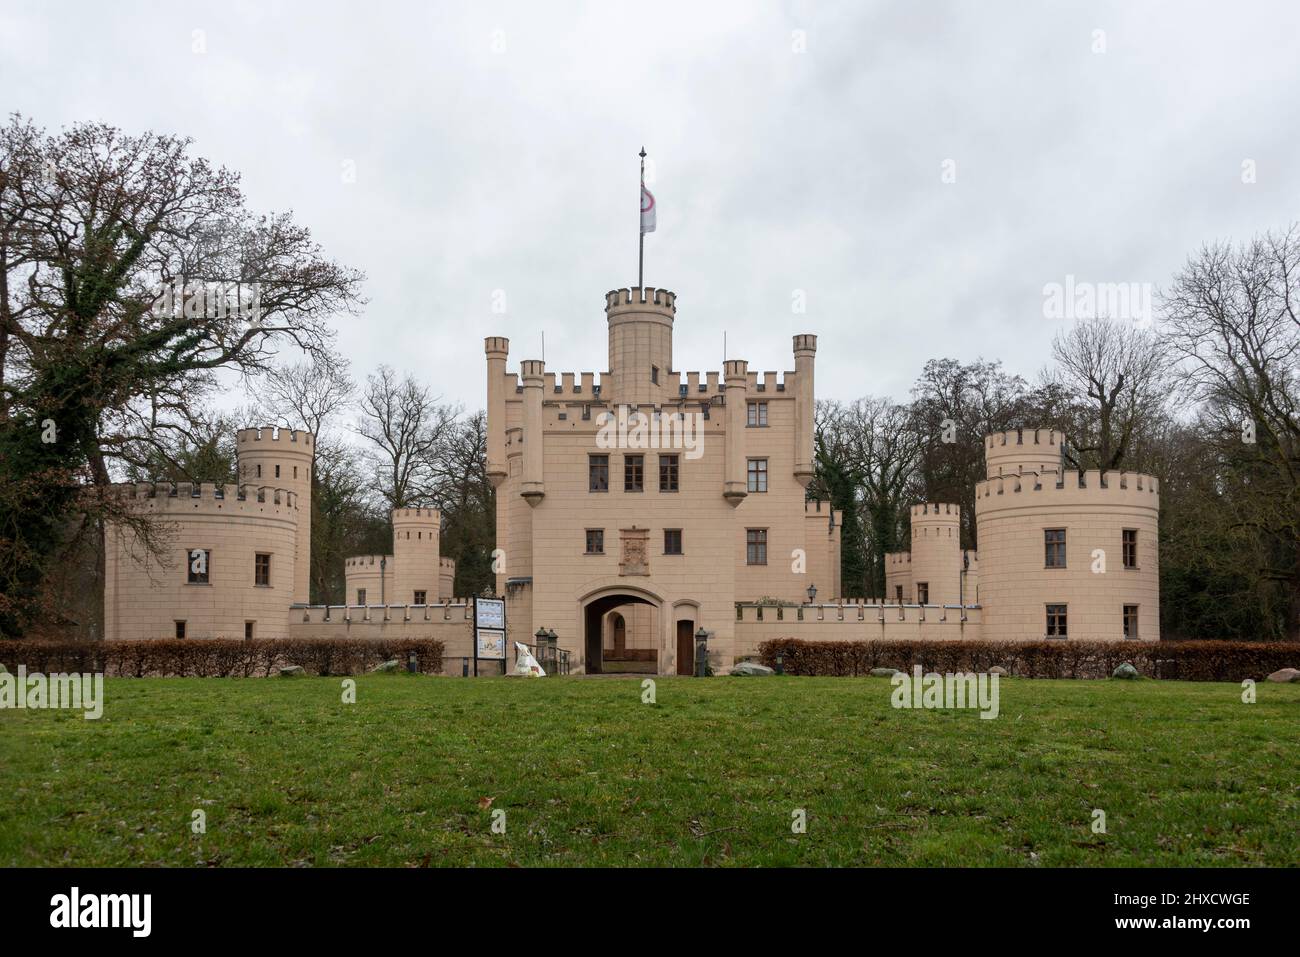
[420, 598]
[1054, 546]
[198, 566]
[595, 541]
[1130, 621]
[668, 465]
[757, 415]
[598, 473]
[672, 541]
[1056, 622]
[755, 546]
[634, 473]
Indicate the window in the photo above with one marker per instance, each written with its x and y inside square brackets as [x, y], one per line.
[1130, 621]
[923, 593]
[595, 541]
[634, 473]
[668, 473]
[898, 593]
[672, 541]
[420, 597]
[758, 475]
[755, 546]
[361, 596]
[180, 629]
[1054, 544]
[262, 569]
[757, 415]
[598, 473]
[248, 630]
[197, 568]
[277, 471]
[654, 374]
[259, 471]
[1056, 621]
[1130, 548]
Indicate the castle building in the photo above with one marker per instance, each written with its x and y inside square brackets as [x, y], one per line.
[241, 554]
[635, 510]
[642, 505]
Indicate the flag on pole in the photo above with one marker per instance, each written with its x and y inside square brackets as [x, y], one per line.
[647, 210]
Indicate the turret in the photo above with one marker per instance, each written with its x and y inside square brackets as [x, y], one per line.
[283, 458]
[936, 553]
[805, 350]
[734, 487]
[1020, 451]
[534, 375]
[415, 553]
[497, 348]
[640, 344]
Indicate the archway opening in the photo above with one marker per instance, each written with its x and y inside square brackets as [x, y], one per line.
[622, 635]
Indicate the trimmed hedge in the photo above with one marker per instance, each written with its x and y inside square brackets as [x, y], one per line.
[217, 657]
[1183, 660]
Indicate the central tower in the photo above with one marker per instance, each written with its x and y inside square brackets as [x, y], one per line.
[640, 343]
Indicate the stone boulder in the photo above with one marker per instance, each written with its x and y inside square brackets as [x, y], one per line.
[1126, 671]
[1285, 676]
[883, 672]
[385, 668]
[999, 670]
[751, 669]
[292, 671]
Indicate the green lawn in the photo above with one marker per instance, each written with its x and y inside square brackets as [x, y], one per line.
[587, 774]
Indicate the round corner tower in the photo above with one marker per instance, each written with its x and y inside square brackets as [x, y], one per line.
[1065, 554]
[271, 457]
[936, 553]
[415, 555]
[1021, 451]
[640, 343]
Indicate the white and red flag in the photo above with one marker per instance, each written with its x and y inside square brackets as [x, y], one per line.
[647, 210]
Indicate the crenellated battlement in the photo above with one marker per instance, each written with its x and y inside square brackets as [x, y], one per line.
[898, 558]
[364, 561]
[186, 498]
[639, 299]
[1073, 487]
[288, 440]
[1048, 437]
[416, 516]
[447, 563]
[940, 512]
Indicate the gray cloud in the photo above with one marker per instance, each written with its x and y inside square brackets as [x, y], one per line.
[515, 168]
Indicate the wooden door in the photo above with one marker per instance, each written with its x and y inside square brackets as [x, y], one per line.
[686, 647]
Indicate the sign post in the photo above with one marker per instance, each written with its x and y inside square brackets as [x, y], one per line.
[489, 631]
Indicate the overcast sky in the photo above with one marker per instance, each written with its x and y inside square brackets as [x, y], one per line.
[796, 146]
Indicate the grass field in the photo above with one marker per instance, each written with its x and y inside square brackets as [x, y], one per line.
[711, 774]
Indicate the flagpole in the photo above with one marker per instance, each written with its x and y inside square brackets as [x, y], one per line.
[640, 256]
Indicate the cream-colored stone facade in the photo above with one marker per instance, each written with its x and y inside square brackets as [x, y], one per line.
[640, 505]
[589, 535]
[653, 497]
[236, 558]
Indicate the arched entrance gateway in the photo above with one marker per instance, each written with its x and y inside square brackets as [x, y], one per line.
[629, 631]
[622, 634]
